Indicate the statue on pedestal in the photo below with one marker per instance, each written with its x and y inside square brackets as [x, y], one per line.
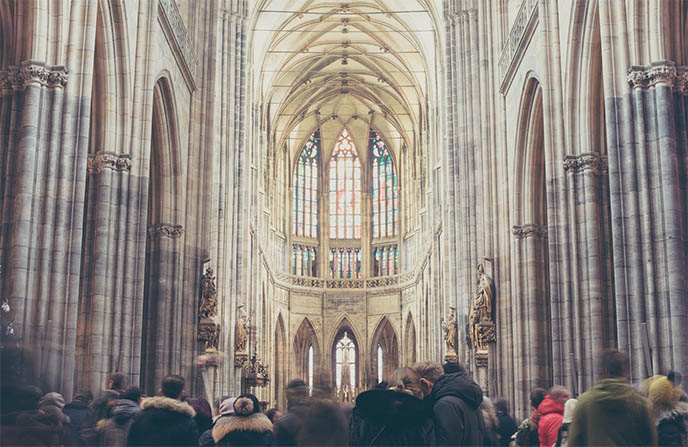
[449, 328]
[481, 317]
[241, 331]
[209, 323]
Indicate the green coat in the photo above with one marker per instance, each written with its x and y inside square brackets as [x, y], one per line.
[612, 413]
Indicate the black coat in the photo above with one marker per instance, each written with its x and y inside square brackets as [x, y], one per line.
[287, 428]
[252, 430]
[386, 417]
[506, 426]
[80, 414]
[672, 426]
[456, 399]
[164, 422]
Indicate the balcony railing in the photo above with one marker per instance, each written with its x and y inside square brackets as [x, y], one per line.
[516, 43]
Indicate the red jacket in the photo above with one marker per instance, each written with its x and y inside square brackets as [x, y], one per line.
[551, 415]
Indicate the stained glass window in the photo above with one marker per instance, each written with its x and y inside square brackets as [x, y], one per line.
[385, 214]
[345, 190]
[304, 260]
[345, 363]
[345, 263]
[305, 206]
[379, 364]
[386, 260]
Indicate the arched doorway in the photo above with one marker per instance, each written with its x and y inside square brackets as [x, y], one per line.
[385, 349]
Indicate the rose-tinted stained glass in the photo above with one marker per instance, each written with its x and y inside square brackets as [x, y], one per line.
[384, 180]
[305, 208]
[345, 189]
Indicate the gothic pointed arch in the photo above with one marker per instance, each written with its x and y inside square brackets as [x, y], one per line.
[307, 354]
[384, 342]
[410, 341]
[279, 371]
[162, 301]
[345, 357]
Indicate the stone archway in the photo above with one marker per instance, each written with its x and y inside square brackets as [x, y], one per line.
[305, 339]
[410, 341]
[384, 340]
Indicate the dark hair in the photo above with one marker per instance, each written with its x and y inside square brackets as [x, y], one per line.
[453, 367]
[271, 413]
[84, 396]
[675, 377]
[172, 386]
[297, 391]
[614, 363]
[382, 385]
[502, 405]
[537, 396]
[119, 381]
[246, 405]
[132, 393]
[296, 383]
[324, 425]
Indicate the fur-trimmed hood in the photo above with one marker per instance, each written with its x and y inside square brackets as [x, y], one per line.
[166, 403]
[257, 422]
[668, 414]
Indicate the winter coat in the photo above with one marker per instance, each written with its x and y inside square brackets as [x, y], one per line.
[234, 430]
[506, 427]
[286, 429]
[672, 426]
[114, 430]
[165, 422]
[551, 416]
[456, 399]
[79, 413]
[387, 417]
[612, 413]
[527, 432]
[34, 428]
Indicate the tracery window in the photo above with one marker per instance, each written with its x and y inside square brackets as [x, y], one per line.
[345, 362]
[345, 189]
[385, 214]
[305, 203]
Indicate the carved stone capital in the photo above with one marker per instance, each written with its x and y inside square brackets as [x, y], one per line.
[108, 160]
[170, 231]
[661, 72]
[33, 72]
[529, 230]
[591, 161]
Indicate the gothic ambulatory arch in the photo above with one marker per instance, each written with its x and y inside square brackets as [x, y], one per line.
[385, 345]
[345, 362]
[307, 353]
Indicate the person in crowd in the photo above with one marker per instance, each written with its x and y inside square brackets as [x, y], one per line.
[676, 378]
[286, 429]
[612, 412]
[395, 416]
[79, 413]
[204, 416]
[246, 427]
[114, 430]
[225, 409]
[100, 407]
[324, 425]
[273, 414]
[551, 411]
[506, 425]
[455, 400]
[165, 419]
[527, 432]
[491, 423]
[50, 413]
[563, 435]
[670, 414]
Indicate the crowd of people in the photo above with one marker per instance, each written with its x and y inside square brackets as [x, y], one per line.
[426, 404]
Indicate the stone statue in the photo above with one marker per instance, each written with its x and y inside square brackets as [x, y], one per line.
[481, 318]
[241, 330]
[474, 319]
[449, 328]
[484, 297]
[208, 308]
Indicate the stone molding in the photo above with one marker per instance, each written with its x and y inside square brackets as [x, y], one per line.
[33, 72]
[516, 43]
[591, 161]
[109, 160]
[661, 72]
[178, 37]
[529, 230]
[170, 231]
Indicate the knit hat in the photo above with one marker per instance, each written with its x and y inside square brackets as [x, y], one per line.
[246, 405]
[569, 408]
[663, 392]
[52, 400]
[227, 406]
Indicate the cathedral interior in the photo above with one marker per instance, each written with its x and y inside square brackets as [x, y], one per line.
[243, 192]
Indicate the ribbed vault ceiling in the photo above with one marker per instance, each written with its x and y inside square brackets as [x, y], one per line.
[335, 64]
